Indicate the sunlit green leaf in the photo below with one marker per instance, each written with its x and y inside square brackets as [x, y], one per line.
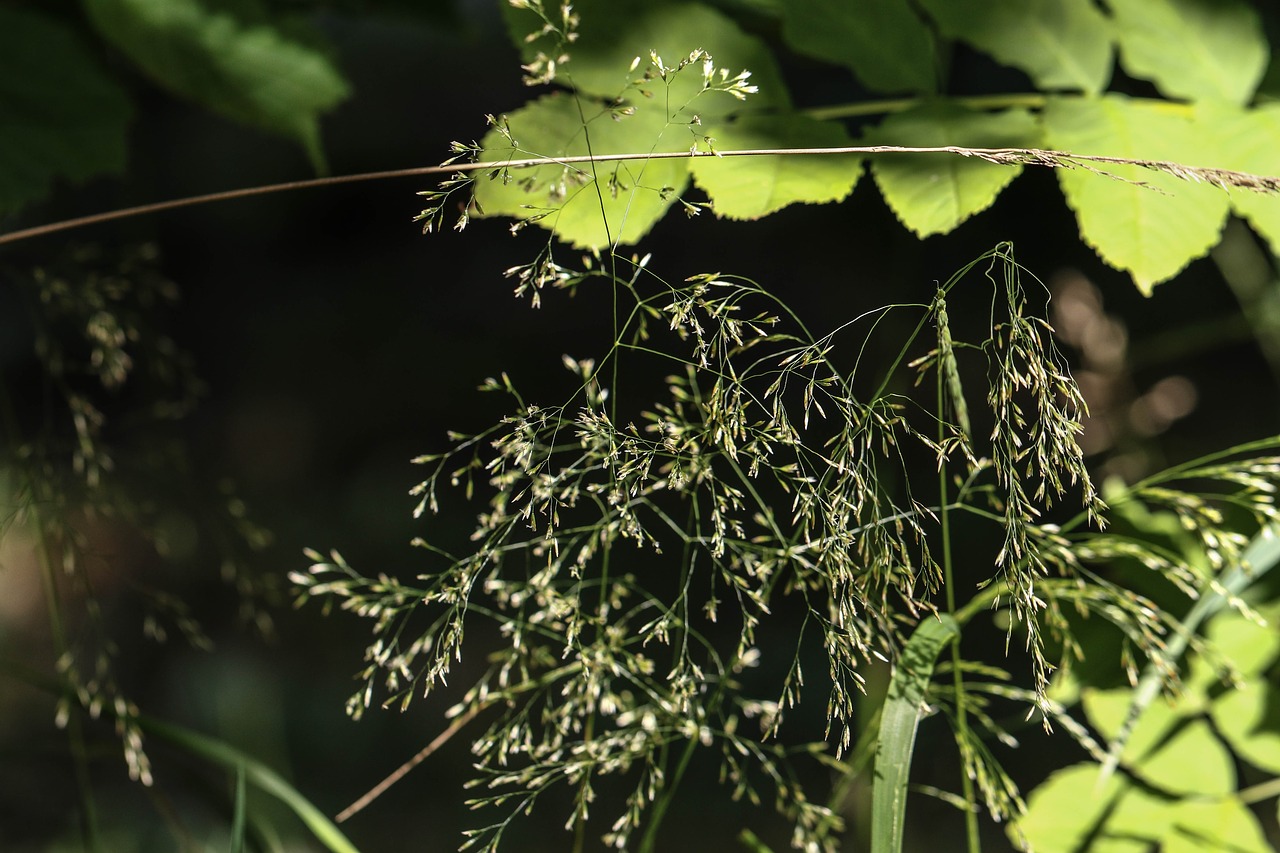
[613, 33]
[883, 41]
[1194, 49]
[1151, 225]
[1215, 826]
[1060, 44]
[751, 187]
[1246, 140]
[1249, 719]
[60, 115]
[569, 198]
[1072, 807]
[1107, 709]
[245, 68]
[933, 193]
[1192, 761]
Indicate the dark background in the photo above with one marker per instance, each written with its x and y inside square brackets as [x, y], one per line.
[336, 342]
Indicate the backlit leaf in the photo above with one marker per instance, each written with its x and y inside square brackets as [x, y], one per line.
[883, 41]
[568, 198]
[244, 68]
[1072, 807]
[1060, 44]
[1249, 719]
[933, 193]
[612, 33]
[1151, 225]
[1194, 49]
[751, 187]
[60, 115]
[1215, 826]
[1246, 140]
[1192, 761]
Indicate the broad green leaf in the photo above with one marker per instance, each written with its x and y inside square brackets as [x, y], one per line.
[1249, 719]
[613, 33]
[1193, 761]
[1245, 140]
[1193, 49]
[933, 193]
[751, 187]
[1060, 44]
[1215, 826]
[60, 115]
[1107, 710]
[1148, 224]
[899, 718]
[1066, 810]
[888, 47]
[569, 199]
[243, 68]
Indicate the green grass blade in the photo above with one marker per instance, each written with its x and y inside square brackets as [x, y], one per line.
[903, 708]
[255, 773]
[238, 817]
[1260, 557]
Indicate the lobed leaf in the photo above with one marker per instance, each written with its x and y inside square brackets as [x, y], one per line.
[61, 116]
[752, 187]
[1060, 44]
[1193, 49]
[885, 43]
[1149, 224]
[933, 193]
[245, 68]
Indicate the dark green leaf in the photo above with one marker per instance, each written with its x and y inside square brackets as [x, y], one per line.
[60, 115]
[1060, 44]
[1194, 49]
[883, 41]
[243, 67]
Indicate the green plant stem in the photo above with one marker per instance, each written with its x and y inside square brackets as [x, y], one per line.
[1029, 100]
[957, 673]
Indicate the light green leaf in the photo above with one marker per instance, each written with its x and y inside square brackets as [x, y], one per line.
[933, 193]
[60, 115]
[569, 199]
[751, 187]
[1067, 808]
[1193, 49]
[1108, 709]
[1060, 44]
[1151, 225]
[1246, 140]
[246, 69]
[1249, 719]
[1215, 826]
[1193, 761]
[883, 41]
[612, 33]
[899, 718]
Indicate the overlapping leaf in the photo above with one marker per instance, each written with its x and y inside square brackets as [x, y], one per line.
[1148, 224]
[60, 116]
[1060, 44]
[242, 67]
[1193, 49]
[883, 41]
[751, 187]
[933, 193]
[1246, 140]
